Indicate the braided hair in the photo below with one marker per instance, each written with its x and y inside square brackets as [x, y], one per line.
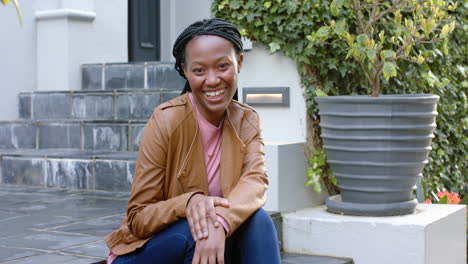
[213, 26]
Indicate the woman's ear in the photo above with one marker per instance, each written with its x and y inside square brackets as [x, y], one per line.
[240, 60]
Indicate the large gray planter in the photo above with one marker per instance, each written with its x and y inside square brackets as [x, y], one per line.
[377, 148]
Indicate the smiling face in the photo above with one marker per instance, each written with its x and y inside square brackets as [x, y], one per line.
[211, 68]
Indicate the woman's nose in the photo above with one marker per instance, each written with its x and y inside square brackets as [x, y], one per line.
[212, 79]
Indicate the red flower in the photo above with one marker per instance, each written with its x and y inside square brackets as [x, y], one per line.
[451, 197]
[428, 201]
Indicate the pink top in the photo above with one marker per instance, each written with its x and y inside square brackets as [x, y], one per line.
[211, 139]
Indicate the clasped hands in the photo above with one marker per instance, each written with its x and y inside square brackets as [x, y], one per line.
[206, 230]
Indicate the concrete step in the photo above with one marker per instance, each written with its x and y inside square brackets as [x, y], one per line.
[287, 258]
[435, 233]
[71, 169]
[118, 104]
[115, 135]
[110, 76]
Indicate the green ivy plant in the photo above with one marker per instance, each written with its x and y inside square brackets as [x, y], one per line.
[285, 26]
[319, 172]
[445, 73]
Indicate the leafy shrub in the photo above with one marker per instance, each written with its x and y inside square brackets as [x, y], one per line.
[283, 25]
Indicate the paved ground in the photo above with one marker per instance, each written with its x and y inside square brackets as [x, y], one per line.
[39, 225]
[56, 226]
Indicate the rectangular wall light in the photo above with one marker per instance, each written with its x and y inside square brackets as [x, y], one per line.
[266, 96]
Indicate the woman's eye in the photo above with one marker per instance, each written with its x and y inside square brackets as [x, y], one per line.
[197, 70]
[223, 65]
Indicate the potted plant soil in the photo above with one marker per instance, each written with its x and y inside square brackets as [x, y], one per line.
[377, 145]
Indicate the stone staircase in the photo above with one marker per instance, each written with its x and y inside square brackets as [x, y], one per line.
[85, 139]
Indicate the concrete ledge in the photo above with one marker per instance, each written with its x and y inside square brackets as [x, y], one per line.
[286, 167]
[433, 234]
[66, 13]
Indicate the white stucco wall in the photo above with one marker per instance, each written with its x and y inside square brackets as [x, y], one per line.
[176, 16]
[17, 56]
[105, 40]
[263, 69]
[286, 165]
[78, 40]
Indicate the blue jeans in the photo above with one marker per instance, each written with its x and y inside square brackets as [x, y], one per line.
[255, 241]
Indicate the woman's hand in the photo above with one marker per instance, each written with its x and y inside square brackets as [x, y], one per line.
[210, 250]
[199, 208]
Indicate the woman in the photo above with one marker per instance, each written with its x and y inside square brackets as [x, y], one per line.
[200, 180]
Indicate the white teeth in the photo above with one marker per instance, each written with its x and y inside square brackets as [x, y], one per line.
[211, 94]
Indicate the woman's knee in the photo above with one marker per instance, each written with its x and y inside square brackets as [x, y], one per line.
[261, 217]
[259, 224]
[257, 240]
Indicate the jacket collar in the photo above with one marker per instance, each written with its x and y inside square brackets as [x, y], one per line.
[229, 120]
[231, 145]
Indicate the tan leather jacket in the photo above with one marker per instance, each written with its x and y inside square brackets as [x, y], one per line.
[171, 168]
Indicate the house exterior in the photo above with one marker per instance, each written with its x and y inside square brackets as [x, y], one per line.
[58, 37]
